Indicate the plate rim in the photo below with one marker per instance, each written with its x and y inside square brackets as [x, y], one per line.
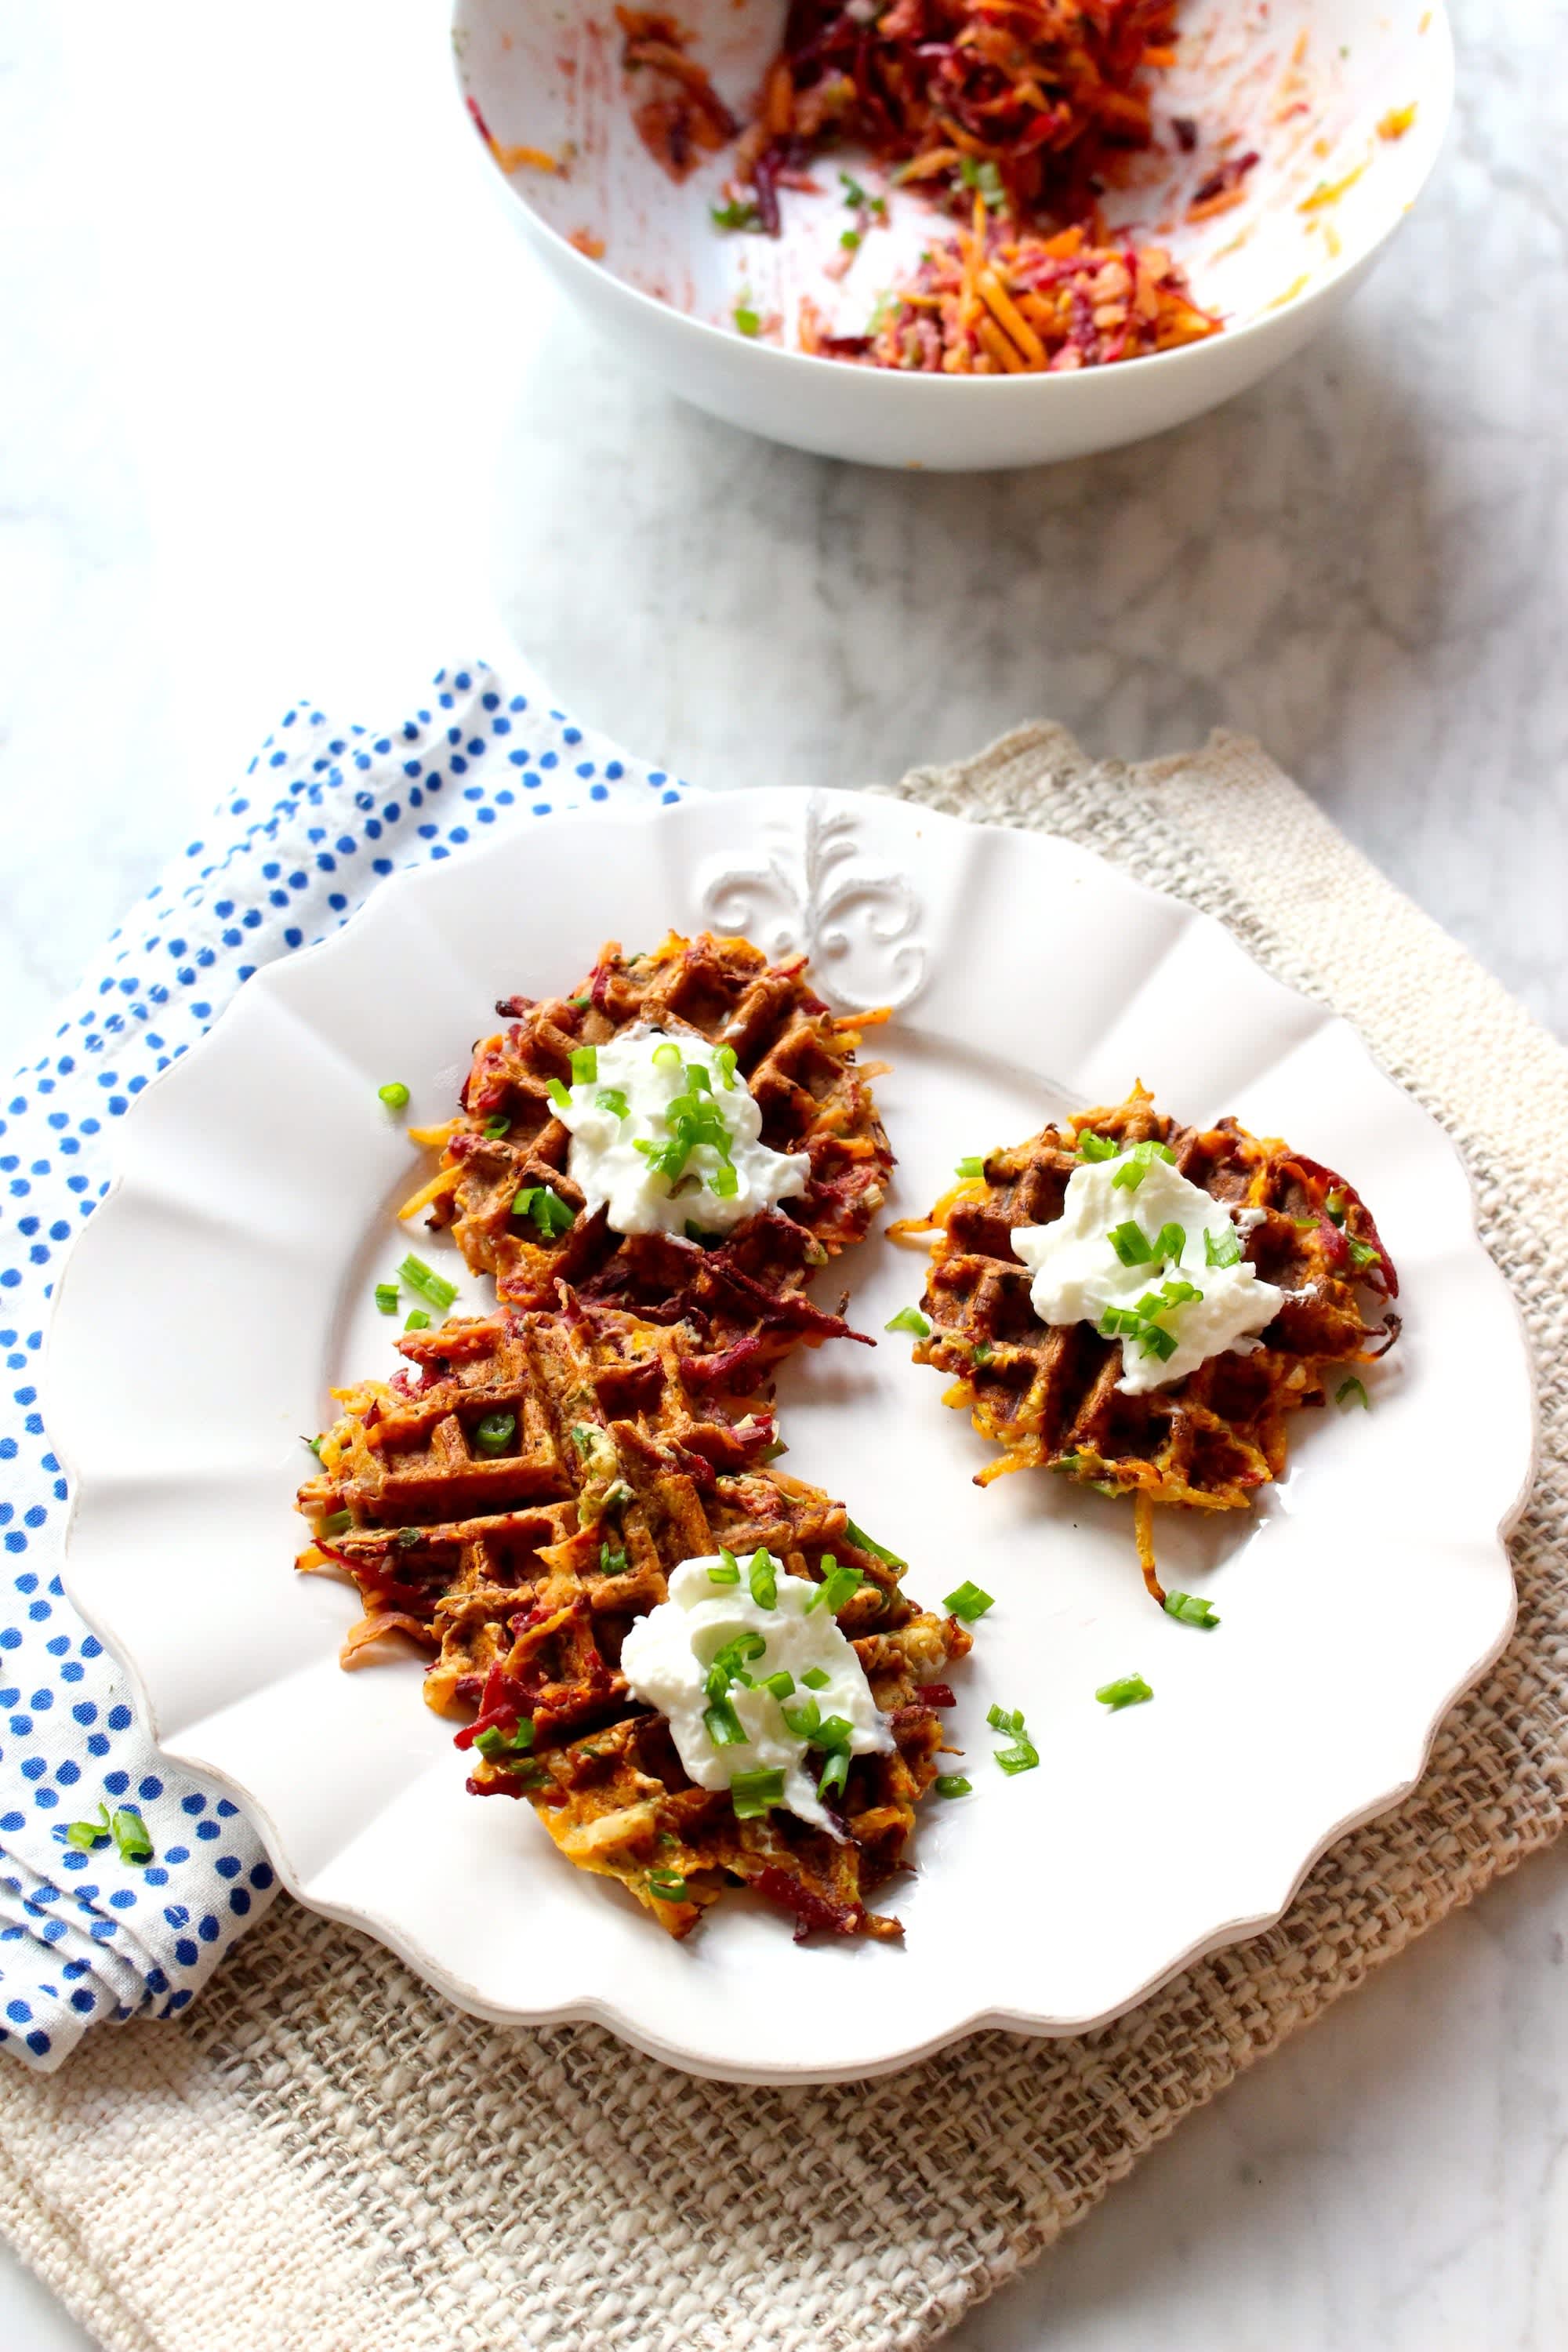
[385, 1931]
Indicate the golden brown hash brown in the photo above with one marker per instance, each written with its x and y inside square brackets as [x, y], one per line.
[798, 1060]
[521, 1563]
[1048, 1395]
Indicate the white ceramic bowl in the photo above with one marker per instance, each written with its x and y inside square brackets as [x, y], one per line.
[1305, 82]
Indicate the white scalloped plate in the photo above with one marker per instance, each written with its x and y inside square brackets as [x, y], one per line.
[227, 1283]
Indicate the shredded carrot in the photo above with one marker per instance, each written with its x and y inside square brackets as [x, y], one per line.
[525, 159]
[1397, 121]
[1297, 287]
[1143, 1530]
[435, 1138]
[1003, 309]
[443, 1181]
[994, 342]
[1330, 192]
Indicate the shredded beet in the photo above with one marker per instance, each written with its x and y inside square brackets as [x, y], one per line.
[1385, 1275]
[811, 1909]
[936, 1694]
[1034, 101]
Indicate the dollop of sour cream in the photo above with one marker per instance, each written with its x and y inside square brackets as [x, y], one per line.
[640, 1079]
[668, 1656]
[1080, 1277]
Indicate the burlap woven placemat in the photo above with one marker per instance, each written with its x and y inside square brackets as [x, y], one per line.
[326, 2159]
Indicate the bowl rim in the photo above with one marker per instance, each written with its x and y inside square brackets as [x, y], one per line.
[919, 385]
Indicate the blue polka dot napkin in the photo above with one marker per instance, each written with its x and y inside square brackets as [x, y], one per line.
[122, 1883]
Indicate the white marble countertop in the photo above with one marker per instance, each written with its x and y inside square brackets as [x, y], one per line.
[283, 409]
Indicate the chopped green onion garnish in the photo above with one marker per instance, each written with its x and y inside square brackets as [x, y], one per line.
[1169, 1243]
[315, 1446]
[1362, 1252]
[724, 1063]
[971, 1168]
[803, 1719]
[337, 1523]
[1131, 1243]
[429, 1284]
[909, 1318]
[497, 1125]
[727, 1572]
[1097, 1147]
[762, 1577]
[560, 1095]
[667, 1055]
[986, 178]
[611, 1099]
[1179, 1294]
[496, 1432]
[1353, 1391]
[697, 1079]
[839, 1585]
[752, 1793]
[858, 1537]
[129, 1832]
[386, 1297]
[1131, 1691]
[724, 1183]
[1335, 1208]
[552, 1214]
[747, 322]
[417, 1321]
[497, 1742]
[735, 214]
[395, 1096]
[1225, 1251]
[835, 1773]
[850, 239]
[814, 1679]
[722, 1725]
[728, 1664]
[781, 1685]
[983, 1351]
[1190, 1609]
[584, 1065]
[969, 1602]
[611, 1561]
[833, 1731]
[1135, 1164]
[85, 1835]
[1158, 1342]
[952, 1784]
[668, 1884]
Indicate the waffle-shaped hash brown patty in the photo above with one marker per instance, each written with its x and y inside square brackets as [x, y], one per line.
[1048, 1395]
[797, 1059]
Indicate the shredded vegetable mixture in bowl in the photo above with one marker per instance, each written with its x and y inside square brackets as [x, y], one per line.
[970, 189]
